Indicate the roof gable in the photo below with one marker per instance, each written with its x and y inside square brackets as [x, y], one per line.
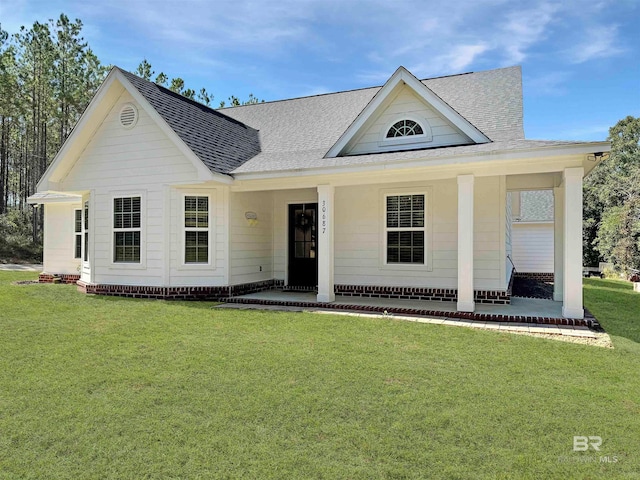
[383, 99]
[214, 143]
[404, 108]
[220, 142]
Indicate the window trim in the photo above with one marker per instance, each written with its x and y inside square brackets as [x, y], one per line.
[78, 235]
[427, 229]
[425, 137]
[142, 265]
[86, 233]
[211, 263]
[88, 203]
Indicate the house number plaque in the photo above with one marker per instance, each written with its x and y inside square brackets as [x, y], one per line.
[323, 209]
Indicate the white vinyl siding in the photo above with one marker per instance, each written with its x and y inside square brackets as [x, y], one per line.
[533, 247]
[360, 230]
[251, 243]
[508, 237]
[140, 159]
[59, 238]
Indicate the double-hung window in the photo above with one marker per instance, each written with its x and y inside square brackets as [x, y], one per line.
[77, 234]
[196, 229]
[126, 229]
[405, 229]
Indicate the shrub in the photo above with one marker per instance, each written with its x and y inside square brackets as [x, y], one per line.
[16, 237]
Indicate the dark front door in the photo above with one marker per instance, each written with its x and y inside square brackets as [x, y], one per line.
[303, 245]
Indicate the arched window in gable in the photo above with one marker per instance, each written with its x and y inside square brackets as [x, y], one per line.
[404, 128]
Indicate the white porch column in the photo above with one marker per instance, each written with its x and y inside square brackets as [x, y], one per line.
[558, 243]
[465, 244]
[572, 249]
[325, 243]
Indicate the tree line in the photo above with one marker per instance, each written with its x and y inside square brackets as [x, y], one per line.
[48, 75]
[611, 228]
[145, 70]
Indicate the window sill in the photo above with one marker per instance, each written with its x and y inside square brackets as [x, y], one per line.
[127, 266]
[406, 267]
[196, 267]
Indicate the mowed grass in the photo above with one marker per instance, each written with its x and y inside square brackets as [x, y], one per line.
[98, 387]
[616, 306]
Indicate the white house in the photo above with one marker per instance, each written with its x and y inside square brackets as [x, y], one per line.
[394, 191]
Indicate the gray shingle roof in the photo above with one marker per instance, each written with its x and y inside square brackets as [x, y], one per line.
[297, 133]
[221, 142]
[311, 159]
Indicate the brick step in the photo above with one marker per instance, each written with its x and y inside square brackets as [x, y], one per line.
[589, 321]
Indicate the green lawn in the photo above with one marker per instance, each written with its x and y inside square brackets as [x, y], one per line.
[617, 306]
[98, 387]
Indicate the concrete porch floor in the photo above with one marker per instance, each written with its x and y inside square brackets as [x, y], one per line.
[521, 310]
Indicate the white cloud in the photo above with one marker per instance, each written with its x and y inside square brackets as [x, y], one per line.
[453, 40]
[548, 83]
[222, 24]
[464, 55]
[599, 44]
[327, 40]
[457, 59]
[525, 28]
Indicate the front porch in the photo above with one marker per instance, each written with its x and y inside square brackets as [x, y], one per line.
[519, 311]
[453, 241]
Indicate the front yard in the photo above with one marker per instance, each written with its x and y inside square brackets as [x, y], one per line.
[97, 387]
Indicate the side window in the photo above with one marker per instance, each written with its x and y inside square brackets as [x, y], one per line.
[126, 230]
[85, 229]
[77, 234]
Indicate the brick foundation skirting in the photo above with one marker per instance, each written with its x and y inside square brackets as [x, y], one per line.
[67, 278]
[543, 277]
[496, 297]
[177, 293]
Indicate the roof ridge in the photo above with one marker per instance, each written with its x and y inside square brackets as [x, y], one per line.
[305, 97]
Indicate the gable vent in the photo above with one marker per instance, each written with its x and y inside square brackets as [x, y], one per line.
[128, 115]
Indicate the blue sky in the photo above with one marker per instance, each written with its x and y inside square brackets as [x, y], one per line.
[580, 58]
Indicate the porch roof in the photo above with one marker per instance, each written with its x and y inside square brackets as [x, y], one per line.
[53, 197]
[313, 160]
